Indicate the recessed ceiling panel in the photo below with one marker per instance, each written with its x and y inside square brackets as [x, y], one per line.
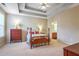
[34, 7]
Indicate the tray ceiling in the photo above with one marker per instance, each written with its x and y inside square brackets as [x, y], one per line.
[32, 9]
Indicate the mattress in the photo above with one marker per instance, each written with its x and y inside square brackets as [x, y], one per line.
[33, 35]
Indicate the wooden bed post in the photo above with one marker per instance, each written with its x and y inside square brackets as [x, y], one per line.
[31, 38]
[48, 36]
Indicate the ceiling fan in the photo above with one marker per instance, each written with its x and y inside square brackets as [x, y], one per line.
[44, 6]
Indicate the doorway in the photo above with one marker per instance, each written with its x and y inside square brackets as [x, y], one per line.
[54, 30]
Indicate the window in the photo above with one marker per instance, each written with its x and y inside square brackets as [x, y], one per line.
[1, 25]
[55, 27]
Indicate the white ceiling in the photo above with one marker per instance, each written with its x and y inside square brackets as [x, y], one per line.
[34, 10]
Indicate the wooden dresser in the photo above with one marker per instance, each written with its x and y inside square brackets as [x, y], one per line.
[15, 35]
[72, 50]
[54, 35]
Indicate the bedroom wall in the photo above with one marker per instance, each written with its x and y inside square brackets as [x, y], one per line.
[26, 22]
[3, 39]
[68, 25]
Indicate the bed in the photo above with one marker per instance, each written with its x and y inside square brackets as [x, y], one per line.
[36, 38]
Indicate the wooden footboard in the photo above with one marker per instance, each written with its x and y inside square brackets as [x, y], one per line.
[38, 41]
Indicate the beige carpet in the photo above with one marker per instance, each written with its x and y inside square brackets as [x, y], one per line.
[20, 49]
